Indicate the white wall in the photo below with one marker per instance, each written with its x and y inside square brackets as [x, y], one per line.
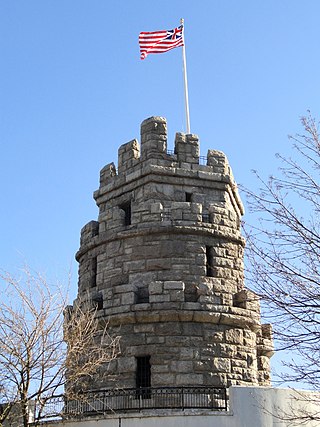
[249, 407]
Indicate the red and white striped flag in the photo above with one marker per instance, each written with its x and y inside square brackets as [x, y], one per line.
[160, 41]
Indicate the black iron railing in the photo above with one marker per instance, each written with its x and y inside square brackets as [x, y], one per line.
[123, 400]
[203, 160]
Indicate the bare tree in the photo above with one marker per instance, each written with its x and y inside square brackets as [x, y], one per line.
[40, 351]
[284, 254]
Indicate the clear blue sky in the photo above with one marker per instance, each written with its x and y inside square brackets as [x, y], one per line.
[73, 89]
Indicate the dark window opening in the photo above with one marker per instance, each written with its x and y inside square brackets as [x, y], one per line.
[238, 303]
[188, 197]
[98, 301]
[240, 300]
[191, 295]
[126, 207]
[95, 229]
[206, 218]
[93, 278]
[142, 296]
[209, 261]
[143, 377]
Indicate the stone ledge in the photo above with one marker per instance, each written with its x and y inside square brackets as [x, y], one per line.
[158, 228]
[221, 317]
[146, 168]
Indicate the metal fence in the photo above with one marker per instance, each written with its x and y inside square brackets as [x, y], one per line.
[203, 160]
[124, 400]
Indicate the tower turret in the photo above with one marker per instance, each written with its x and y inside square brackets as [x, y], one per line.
[164, 265]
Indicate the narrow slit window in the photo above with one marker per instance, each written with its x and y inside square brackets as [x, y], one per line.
[209, 261]
[143, 377]
[98, 301]
[126, 207]
[188, 197]
[93, 278]
[142, 296]
[206, 218]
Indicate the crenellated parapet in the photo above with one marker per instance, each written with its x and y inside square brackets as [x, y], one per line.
[164, 266]
[209, 189]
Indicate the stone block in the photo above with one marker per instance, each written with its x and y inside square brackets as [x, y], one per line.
[118, 309]
[218, 380]
[221, 364]
[192, 329]
[185, 316]
[237, 371]
[189, 379]
[115, 277]
[183, 267]
[128, 298]
[177, 214]
[241, 354]
[210, 299]
[182, 366]
[249, 375]
[159, 369]
[159, 298]
[134, 340]
[156, 288]
[144, 327]
[163, 379]
[156, 208]
[122, 319]
[227, 350]
[191, 217]
[181, 206]
[201, 366]
[203, 289]
[214, 336]
[192, 306]
[206, 317]
[158, 264]
[266, 330]
[147, 317]
[168, 329]
[133, 266]
[126, 364]
[107, 173]
[176, 285]
[187, 353]
[263, 363]
[234, 336]
[155, 340]
[133, 175]
[141, 307]
[176, 296]
[196, 208]
[161, 306]
[238, 363]
[120, 289]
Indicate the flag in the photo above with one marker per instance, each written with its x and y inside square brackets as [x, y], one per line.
[160, 41]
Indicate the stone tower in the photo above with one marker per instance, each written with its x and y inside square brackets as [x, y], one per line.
[164, 265]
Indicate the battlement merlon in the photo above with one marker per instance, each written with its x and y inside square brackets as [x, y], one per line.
[135, 162]
[90, 230]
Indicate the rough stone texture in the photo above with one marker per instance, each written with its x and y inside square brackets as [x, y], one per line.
[166, 257]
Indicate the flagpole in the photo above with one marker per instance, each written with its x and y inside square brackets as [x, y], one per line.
[186, 97]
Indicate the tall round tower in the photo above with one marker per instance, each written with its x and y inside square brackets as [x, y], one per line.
[164, 265]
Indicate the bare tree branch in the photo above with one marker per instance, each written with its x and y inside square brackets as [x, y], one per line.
[45, 345]
[284, 253]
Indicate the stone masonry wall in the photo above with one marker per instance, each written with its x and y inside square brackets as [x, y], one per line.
[164, 264]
